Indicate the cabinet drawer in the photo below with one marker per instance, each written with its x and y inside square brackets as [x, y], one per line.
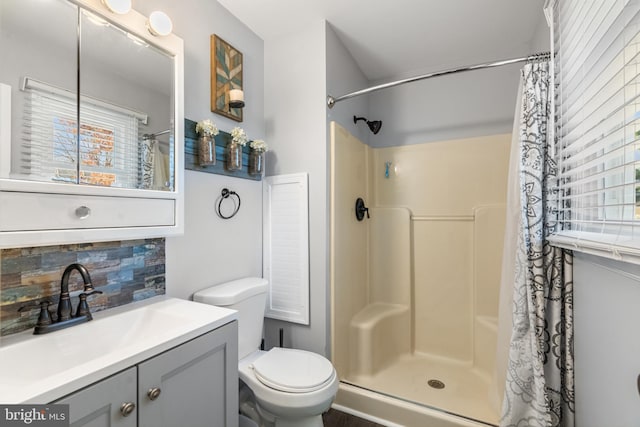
[41, 211]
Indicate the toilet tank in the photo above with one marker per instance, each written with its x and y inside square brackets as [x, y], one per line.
[248, 296]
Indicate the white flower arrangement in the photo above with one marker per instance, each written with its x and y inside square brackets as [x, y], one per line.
[259, 145]
[206, 128]
[238, 136]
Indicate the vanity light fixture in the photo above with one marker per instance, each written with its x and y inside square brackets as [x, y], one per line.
[159, 24]
[120, 7]
[236, 98]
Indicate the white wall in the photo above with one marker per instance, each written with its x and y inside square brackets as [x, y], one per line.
[214, 250]
[295, 92]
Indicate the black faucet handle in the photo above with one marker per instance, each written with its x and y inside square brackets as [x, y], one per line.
[83, 307]
[44, 318]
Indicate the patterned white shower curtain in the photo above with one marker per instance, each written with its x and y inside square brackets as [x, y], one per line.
[539, 388]
[154, 166]
[147, 155]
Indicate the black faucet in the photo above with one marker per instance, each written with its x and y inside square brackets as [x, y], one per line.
[65, 316]
[64, 306]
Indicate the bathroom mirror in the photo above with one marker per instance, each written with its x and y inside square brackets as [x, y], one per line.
[120, 131]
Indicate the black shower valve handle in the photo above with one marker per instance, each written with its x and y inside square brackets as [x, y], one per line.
[361, 209]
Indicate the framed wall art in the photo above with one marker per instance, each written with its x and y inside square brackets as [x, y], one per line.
[226, 74]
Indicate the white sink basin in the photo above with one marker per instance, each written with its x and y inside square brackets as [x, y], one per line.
[43, 368]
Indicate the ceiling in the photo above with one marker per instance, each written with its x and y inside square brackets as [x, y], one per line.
[393, 39]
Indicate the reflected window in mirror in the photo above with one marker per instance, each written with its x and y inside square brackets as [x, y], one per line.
[106, 136]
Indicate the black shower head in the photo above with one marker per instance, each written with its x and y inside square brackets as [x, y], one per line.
[374, 126]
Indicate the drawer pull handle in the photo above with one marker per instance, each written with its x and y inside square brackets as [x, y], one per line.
[83, 212]
[127, 408]
[154, 393]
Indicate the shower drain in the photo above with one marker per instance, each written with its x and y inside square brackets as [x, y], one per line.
[435, 384]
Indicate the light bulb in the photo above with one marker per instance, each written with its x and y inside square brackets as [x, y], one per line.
[118, 6]
[159, 24]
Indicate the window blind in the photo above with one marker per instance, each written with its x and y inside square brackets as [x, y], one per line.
[597, 77]
[106, 142]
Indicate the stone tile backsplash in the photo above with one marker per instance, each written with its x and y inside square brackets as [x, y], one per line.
[124, 271]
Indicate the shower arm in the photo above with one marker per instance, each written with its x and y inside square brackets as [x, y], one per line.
[543, 56]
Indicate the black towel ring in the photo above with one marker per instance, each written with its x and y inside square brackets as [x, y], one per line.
[226, 193]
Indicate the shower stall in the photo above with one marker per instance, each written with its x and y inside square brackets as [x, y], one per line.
[415, 284]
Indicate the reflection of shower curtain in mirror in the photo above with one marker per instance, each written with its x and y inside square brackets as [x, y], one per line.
[154, 166]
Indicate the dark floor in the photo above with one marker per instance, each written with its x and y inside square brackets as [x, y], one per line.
[334, 418]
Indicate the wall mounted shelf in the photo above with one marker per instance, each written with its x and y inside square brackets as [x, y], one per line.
[191, 154]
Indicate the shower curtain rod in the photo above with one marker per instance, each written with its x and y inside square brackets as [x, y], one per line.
[543, 56]
[153, 135]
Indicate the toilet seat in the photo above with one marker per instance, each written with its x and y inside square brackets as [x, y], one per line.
[293, 371]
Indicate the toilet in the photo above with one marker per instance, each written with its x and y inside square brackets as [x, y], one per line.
[290, 387]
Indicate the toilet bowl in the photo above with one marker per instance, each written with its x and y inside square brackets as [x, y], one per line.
[290, 387]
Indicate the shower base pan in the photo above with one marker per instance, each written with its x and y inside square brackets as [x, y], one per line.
[418, 390]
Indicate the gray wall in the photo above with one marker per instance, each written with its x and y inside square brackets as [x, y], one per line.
[213, 250]
[297, 130]
[295, 116]
[344, 76]
[463, 105]
[607, 343]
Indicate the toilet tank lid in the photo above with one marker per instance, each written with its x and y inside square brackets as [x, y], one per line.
[232, 292]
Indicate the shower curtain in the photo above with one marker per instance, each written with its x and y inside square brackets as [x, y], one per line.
[154, 165]
[539, 388]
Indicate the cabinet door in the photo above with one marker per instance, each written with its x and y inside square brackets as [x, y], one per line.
[101, 404]
[197, 383]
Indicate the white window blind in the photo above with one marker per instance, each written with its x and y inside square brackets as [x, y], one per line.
[108, 139]
[597, 76]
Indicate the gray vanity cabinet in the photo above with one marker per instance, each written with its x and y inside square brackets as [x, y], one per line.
[192, 385]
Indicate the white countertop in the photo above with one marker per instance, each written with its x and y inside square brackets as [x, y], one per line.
[44, 368]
